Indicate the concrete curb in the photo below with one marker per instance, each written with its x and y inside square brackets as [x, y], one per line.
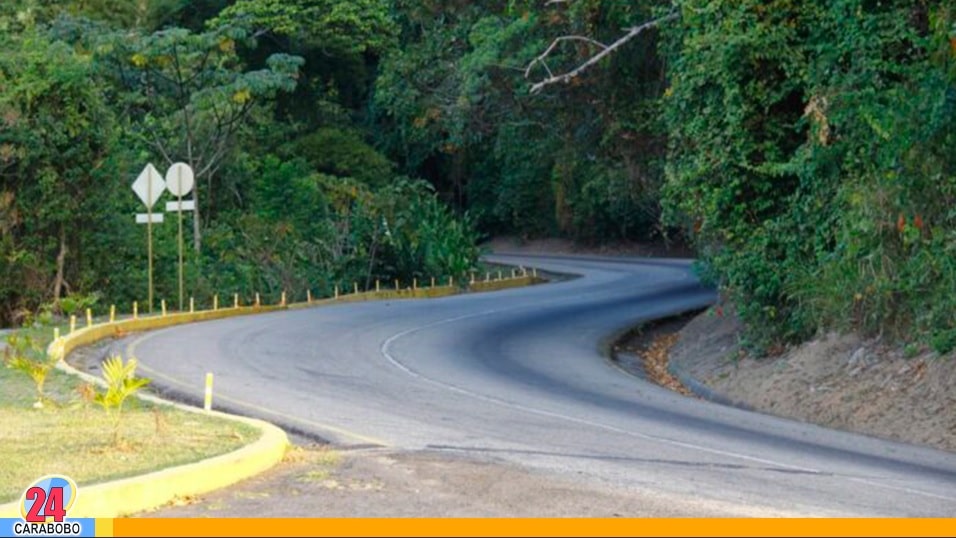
[701, 390]
[152, 490]
[607, 348]
[144, 492]
[118, 498]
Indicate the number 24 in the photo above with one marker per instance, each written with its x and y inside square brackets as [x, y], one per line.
[52, 506]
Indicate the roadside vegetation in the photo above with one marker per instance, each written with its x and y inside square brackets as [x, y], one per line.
[803, 149]
[86, 432]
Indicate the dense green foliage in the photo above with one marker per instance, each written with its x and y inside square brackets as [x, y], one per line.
[810, 152]
[802, 147]
[453, 105]
[263, 99]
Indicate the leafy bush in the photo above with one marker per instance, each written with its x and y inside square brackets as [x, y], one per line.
[317, 231]
[425, 239]
[344, 153]
[944, 341]
[76, 303]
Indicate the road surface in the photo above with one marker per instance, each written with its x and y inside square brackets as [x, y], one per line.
[519, 376]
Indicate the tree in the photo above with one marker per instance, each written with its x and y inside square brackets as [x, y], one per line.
[187, 96]
[57, 134]
[338, 28]
[455, 106]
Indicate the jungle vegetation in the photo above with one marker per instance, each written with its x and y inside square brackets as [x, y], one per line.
[804, 149]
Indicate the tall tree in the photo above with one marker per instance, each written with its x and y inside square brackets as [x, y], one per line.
[188, 96]
[57, 131]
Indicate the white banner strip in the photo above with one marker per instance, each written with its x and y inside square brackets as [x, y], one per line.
[143, 218]
[188, 205]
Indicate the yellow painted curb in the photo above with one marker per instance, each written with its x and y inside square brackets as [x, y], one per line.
[504, 284]
[145, 492]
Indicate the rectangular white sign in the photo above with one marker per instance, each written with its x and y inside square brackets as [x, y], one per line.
[188, 205]
[143, 218]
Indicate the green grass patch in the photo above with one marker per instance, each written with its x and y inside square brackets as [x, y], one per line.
[72, 436]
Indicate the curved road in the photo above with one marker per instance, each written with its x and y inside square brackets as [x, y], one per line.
[517, 376]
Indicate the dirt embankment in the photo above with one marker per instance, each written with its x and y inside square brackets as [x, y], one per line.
[838, 381]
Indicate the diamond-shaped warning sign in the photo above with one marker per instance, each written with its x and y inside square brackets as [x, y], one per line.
[149, 186]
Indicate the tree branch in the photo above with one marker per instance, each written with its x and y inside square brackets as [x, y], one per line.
[605, 51]
[554, 44]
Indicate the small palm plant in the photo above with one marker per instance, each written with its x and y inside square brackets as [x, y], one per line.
[121, 382]
[24, 353]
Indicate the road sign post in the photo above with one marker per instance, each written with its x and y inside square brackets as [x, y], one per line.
[149, 186]
[179, 181]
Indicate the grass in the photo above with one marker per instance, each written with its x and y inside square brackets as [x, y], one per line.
[320, 462]
[74, 437]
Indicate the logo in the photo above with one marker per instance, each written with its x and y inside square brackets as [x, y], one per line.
[44, 507]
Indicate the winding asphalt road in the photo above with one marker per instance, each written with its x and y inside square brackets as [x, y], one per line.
[518, 376]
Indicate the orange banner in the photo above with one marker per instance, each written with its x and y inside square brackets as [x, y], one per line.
[534, 527]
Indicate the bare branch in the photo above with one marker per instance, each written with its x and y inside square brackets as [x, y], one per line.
[158, 145]
[554, 44]
[605, 51]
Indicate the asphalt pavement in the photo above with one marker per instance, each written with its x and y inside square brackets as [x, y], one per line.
[518, 376]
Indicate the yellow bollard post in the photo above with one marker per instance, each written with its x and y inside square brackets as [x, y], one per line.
[135, 310]
[433, 282]
[257, 300]
[472, 277]
[162, 305]
[414, 283]
[514, 272]
[215, 302]
[112, 313]
[207, 405]
[355, 288]
[192, 305]
[282, 302]
[534, 272]
[396, 285]
[451, 281]
[336, 291]
[378, 285]
[499, 275]
[235, 300]
[89, 317]
[487, 277]
[308, 296]
[56, 333]
[72, 324]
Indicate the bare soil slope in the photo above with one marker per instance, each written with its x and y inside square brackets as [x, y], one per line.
[838, 381]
